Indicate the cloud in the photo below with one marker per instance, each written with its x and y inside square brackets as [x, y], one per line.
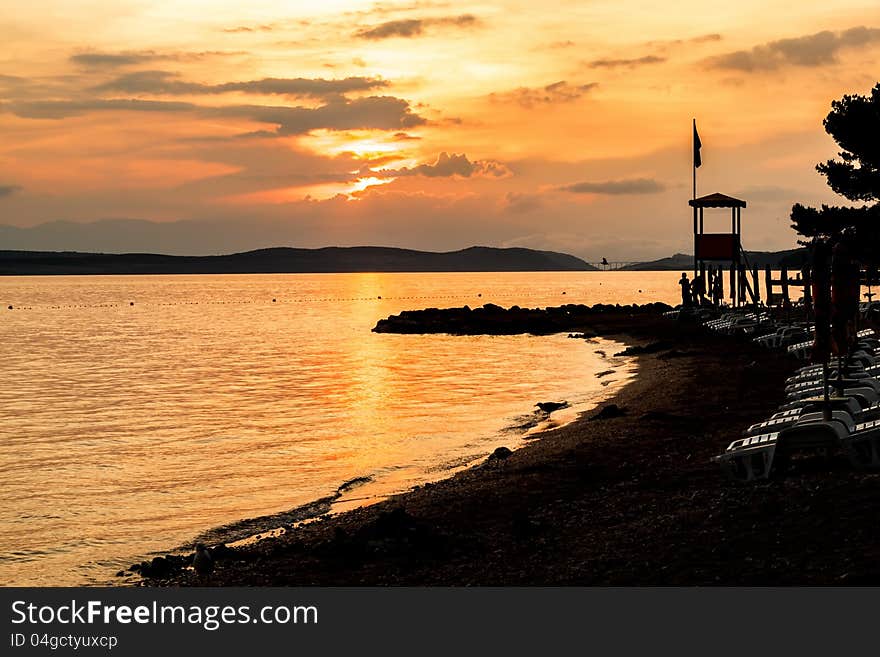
[669, 43]
[372, 112]
[168, 83]
[9, 190]
[60, 109]
[629, 63]
[451, 165]
[813, 50]
[770, 193]
[616, 187]
[522, 203]
[37, 87]
[138, 57]
[413, 27]
[267, 27]
[558, 92]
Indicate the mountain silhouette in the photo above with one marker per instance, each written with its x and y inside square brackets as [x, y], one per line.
[291, 260]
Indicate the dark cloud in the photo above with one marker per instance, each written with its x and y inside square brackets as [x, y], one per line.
[616, 187]
[451, 165]
[628, 63]
[60, 109]
[261, 165]
[168, 83]
[36, 88]
[138, 57]
[414, 27]
[9, 190]
[558, 92]
[812, 50]
[373, 112]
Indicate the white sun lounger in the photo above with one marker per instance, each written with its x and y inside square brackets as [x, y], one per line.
[753, 457]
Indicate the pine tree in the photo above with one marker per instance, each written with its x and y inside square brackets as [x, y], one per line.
[854, 123]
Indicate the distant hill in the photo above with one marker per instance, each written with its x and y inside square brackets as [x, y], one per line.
[792, 258]
[290, 260]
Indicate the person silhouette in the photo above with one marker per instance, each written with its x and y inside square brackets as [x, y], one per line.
[698, 290]
[685, 290]
[718, 290]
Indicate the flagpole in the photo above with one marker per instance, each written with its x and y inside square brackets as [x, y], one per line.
[694, 170]
[693, 161]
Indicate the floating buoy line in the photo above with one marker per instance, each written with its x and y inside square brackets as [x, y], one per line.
[274, 300]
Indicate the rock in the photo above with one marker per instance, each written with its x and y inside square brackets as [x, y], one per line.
[605, 373]
[549, 407]
[610, 411]
[159, 567]
[491, 319]
[673, 353]
[651, 348]
[221, 551]
[203, 562]
[121, 573]
[500, 454]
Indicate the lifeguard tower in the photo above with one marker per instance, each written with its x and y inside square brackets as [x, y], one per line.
[721, 250]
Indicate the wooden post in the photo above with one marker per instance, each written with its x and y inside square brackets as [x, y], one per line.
[784, 282]
[733, 284]
[703, 277]
[710, 284]
[756, 283]
[808, 290]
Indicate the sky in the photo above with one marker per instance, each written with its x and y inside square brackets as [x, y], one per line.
[196, 126]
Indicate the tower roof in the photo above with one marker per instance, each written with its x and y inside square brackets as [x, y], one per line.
[717, 200]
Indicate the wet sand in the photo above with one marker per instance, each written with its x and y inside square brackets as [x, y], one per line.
[624, 500]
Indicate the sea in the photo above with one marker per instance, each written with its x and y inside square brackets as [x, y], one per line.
[140, 413]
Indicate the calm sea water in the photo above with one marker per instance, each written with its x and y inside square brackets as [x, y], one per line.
[128, 429]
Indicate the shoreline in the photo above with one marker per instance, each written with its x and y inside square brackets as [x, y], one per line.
[627, 500]
[249, 531]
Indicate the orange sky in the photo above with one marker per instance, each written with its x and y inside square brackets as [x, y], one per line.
[225, 126]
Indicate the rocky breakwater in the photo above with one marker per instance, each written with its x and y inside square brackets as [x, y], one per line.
[490, 319]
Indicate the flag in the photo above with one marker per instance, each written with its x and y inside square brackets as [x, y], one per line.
[697, 146]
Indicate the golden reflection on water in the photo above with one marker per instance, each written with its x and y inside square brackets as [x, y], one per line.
[131, 428]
